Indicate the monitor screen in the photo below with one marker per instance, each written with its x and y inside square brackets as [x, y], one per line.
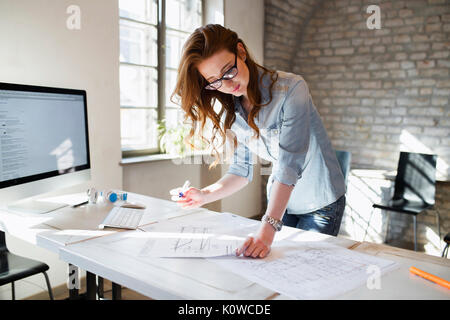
[43, 133]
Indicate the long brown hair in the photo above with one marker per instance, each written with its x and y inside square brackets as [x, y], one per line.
[198, 102]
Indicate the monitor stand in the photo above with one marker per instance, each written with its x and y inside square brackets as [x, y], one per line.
[35, 206]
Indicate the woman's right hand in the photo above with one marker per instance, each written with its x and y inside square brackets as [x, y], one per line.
[192, 197]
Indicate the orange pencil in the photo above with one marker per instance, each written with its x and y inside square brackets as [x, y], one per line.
[430, 277]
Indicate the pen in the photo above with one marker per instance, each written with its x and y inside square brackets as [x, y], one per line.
[80, 204]
[186, 185]
[430, 277]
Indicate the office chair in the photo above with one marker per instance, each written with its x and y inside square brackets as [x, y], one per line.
[415, 187]
[344, 158]
[14, 268]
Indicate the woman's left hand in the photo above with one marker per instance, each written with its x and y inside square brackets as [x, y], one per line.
[258, 246]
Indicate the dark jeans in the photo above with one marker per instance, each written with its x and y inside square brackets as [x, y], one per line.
[325, 220]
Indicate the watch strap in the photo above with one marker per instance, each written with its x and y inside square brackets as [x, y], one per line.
[275, 223]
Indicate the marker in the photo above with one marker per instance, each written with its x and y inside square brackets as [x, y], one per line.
[80, 204]
[186, 185]
[430, 277]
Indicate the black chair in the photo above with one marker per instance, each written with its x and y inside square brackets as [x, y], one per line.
[14, 268]
[344, 158]
[447, 244]
[415, 187]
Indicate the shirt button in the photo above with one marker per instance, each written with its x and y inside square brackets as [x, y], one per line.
[275, 131]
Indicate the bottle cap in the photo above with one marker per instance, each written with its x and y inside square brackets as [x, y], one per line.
[112, 197]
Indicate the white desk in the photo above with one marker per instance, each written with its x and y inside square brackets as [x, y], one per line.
[197, 278]
[71, 225]
[71, 233]
[67, 226]
[400, 284]
[172, 278]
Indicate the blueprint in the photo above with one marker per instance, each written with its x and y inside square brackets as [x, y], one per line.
[308, 270]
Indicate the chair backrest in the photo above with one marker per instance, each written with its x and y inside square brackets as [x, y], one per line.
[416, 177]
[344, 158]
[3, 247]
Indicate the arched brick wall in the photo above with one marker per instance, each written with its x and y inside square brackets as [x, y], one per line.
[284, 23]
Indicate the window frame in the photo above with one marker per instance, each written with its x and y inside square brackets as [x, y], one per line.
[161, 72]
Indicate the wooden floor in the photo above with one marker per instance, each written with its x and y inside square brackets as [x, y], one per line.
[62, 293]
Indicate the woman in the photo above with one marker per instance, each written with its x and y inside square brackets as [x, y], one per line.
[306, 188]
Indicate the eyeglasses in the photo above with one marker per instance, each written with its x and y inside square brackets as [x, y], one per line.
[228, 75]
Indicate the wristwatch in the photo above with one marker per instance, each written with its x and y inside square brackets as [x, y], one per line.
[276, 224]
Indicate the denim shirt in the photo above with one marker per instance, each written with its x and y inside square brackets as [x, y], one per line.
[294, 139]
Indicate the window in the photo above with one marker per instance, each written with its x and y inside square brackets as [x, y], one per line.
[152, 34]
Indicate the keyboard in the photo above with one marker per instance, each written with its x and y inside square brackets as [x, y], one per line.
[126, 218]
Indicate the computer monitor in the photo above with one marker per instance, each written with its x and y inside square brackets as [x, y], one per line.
[44, 144]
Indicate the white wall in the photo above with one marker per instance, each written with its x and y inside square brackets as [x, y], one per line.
[38, 49]
[246, 18]
[213, 11]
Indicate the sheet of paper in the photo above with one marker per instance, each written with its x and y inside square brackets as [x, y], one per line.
[310, 270]
[66, 237]
[154, 214]
[197, 235]
[191, 241]
[219, 222]
[126, 247]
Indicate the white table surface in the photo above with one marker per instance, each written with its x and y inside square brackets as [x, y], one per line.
[117, 258]
[400, 284]
[199, 278]
[69, 225]
[74, 235]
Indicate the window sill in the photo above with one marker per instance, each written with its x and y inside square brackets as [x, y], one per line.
[157, 157]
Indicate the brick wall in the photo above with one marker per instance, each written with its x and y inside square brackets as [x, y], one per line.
[284, 20]
[378, 91]
[376, 88]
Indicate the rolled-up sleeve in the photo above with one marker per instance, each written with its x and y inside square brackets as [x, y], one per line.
[294, 134]
[241, 162]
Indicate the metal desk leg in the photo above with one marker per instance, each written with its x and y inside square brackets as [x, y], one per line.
[100, 288]
[438, 223]
[415, 232]
[116, 291]
[91, 286]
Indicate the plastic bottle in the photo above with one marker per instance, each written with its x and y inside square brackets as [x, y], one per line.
[112, 196]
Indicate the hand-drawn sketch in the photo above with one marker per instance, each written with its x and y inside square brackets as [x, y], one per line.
[185, 244]
[189, 241]
[196, 235]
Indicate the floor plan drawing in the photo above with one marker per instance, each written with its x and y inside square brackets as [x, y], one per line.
[308, 270]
